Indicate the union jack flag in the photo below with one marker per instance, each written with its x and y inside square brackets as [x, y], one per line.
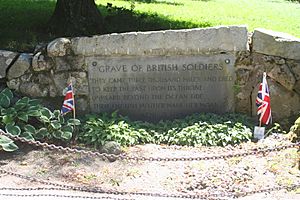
[68, 104]
[263, 102]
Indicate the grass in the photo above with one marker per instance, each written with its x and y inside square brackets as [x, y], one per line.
[278, 15]
[23, 22]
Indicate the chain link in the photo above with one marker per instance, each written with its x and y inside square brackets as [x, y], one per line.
[64, 187]
[61, 196]
[103, 191]
[277, 188]
[141, 158]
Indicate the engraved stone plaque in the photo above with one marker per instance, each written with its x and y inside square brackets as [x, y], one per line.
[161, 87]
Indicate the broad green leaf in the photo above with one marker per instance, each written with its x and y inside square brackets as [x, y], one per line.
[67, 128]
[56, 113]
[23, 117]
[41, 133]
[19, 106]
[44, 119]
[5, 140]
[27, 136]
[29, 128]
[66, 135]
[55, 124]
[14, 130]
[24, 100]
[34, 113]
[33, 108]
[8, 93]
[21, 103]
[34, 102]
[4, 101]
[8, 119]
[9, 111]
[75, 122]
[47, 113]
[61, 118]
[9, 147]
[57, 134]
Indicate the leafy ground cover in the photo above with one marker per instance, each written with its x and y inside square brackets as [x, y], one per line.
[28, 118]
[24, 22]
[199, 129]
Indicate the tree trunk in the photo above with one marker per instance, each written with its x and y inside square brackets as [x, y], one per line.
[76, 18]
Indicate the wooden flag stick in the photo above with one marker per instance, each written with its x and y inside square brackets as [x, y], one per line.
[74, 113]
[259, 123]
[74, 110]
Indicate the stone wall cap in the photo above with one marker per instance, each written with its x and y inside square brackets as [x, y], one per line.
[279, 36]
[165, 42]
[276, 44]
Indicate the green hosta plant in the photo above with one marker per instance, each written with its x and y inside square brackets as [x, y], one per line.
[98, 130]
[7, 144]
[199, 129]
[55, 126]
[220, 134]
[27, 118]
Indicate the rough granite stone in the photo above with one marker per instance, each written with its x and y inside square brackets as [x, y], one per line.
[13, 84]
[295, 68]
[68, 63]
[39, 63]
[82, 104]
[243, 103]
[276, 44]
[297, 87]
[284, 76]
[26, 77]
[33, 89]
[53, 92]
[111, 147]
[79, 80]
[6, 58]
[20, 66]
[242, 76]
[58, 47]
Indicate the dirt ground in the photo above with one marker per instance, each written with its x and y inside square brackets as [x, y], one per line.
[219, 177]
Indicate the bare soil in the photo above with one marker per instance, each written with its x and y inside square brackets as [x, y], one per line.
[222, 177]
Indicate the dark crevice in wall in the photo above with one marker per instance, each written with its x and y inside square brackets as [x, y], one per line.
[11, 64]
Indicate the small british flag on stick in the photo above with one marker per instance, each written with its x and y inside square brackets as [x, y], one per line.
[263, 102]
[69, 103]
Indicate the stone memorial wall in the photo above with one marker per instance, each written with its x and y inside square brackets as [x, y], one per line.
[162, 87]
[163, 74]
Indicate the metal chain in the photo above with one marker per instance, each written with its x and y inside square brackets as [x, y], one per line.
[63, 187]
[277, 188]
[141, 158]
[112, 192]
[61, 196]
[34, 189]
